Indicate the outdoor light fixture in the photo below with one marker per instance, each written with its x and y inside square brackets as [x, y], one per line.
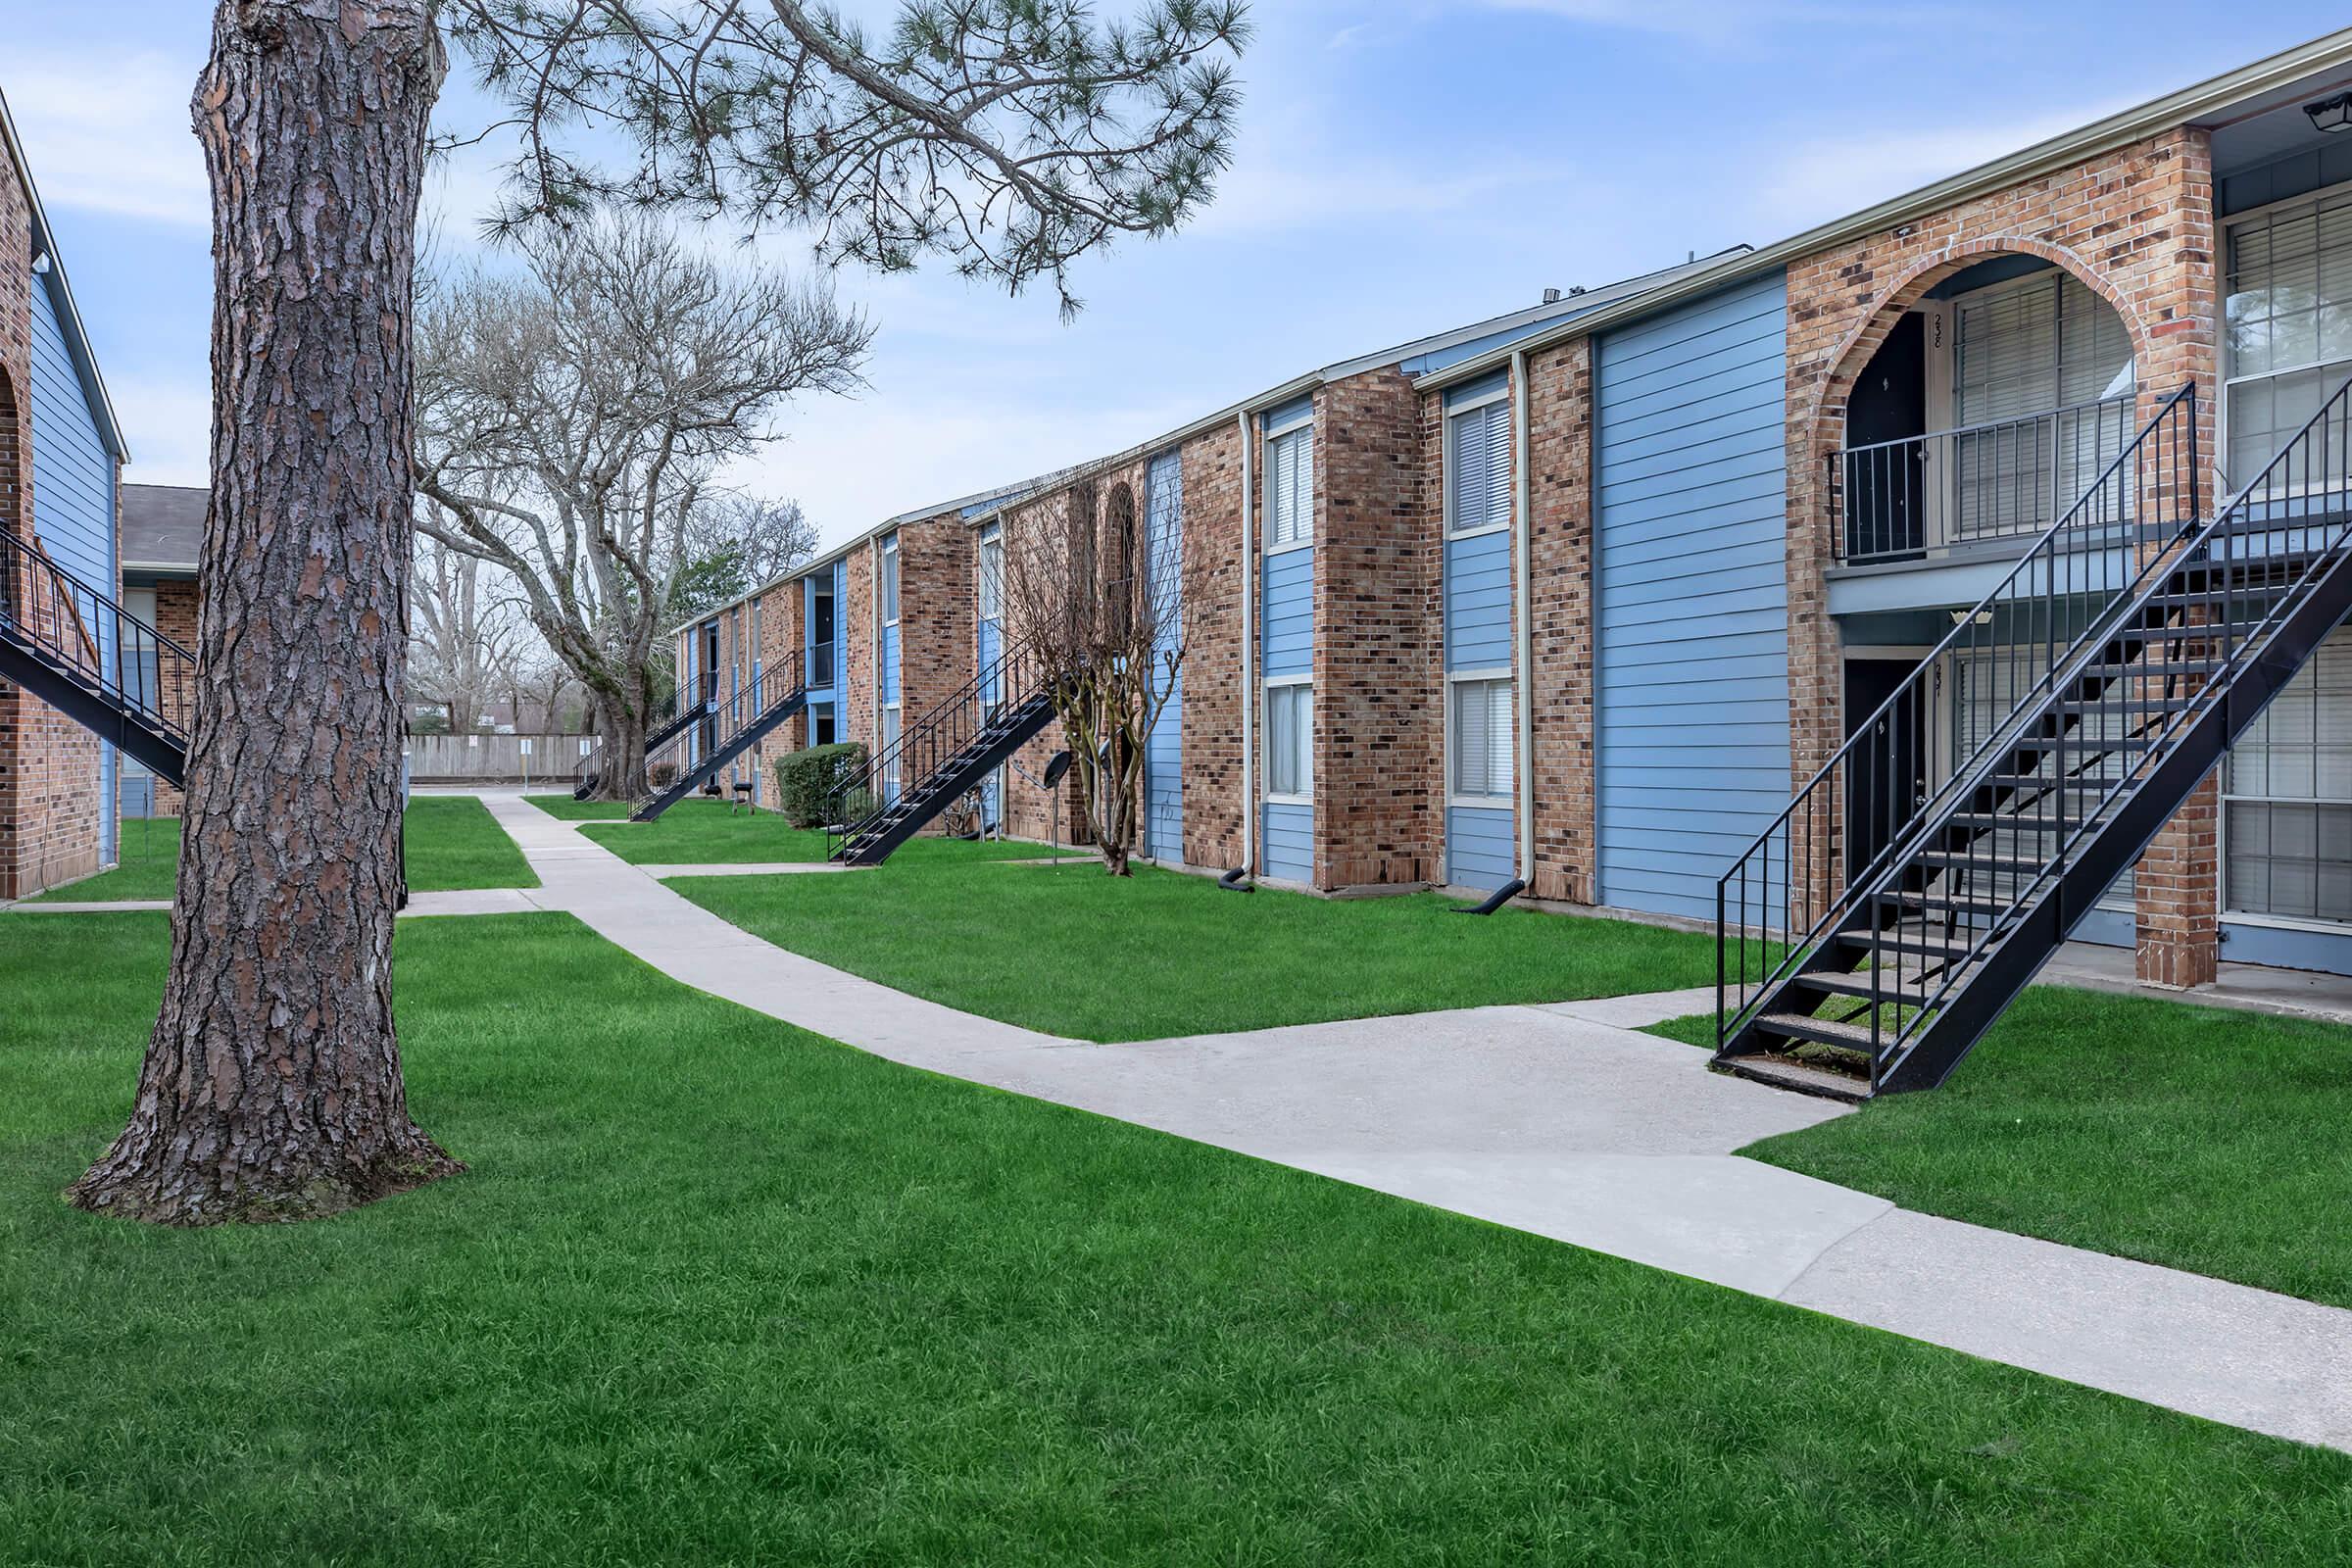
[2331, 114]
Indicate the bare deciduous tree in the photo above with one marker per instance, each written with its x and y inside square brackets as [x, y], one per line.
[1095, 601]
[572, 422]
[465, 638]
[1009, 137]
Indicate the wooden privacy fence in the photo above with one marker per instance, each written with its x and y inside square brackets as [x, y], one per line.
[493, 758]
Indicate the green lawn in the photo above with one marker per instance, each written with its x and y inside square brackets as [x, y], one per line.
[718, 1290]
[1074, 952]
[709, 833]
[2206, 1140]
[453, 843]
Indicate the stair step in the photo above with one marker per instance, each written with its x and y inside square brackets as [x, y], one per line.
[1899, 941]
[1782, 1073]
[1986, 864]
[1957, 903]
[2160, 669]
[1835, 983]
[1823, 1031]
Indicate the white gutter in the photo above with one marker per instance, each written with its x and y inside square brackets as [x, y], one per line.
[1523, 540]
[2283, 70]
[1249, 651]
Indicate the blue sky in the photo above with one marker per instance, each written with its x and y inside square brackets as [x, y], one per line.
[1404, 166]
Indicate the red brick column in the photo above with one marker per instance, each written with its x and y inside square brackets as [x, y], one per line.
[1214, 812]
[1380, 697]
[1560, 548]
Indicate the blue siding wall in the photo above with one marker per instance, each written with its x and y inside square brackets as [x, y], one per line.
[1287, 644]
[841, 625]
[73, 490]
[1480, 849]
[1691, 682]
[1163, 751]
[1287, 614]
[1290, 842]
[890, 665]
[1478, 602]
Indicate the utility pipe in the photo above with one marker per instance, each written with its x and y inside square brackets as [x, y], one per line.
[1523, 544]
[1248, 649]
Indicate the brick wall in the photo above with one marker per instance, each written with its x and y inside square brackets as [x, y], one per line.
[1379, 683]
[2137, 226]
[1043, 521]
[1214, 815]
[855, 711]
[175, 618]
[1560, 552]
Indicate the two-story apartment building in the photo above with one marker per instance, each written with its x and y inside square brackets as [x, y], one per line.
[1586, 596]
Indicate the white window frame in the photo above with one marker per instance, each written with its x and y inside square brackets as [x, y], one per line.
[1299, 427]
[992, 581]
[1274, 683]
[2224, 482]
[1455, 679]
[892, 778]
[1479, 405]
[890, 580]
[2223, 798]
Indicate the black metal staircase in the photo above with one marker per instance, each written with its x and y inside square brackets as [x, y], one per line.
[72, 645]
[687, 702]
[944, 755]
[698, 745]
[2125, 652]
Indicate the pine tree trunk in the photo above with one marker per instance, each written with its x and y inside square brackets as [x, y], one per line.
[272, 1088]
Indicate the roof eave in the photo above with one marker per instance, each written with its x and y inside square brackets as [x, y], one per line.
[2270, 74]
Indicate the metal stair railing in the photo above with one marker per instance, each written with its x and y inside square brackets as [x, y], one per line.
[710, 733]
[1790, 886]
[2300, 507]
[661, 724]
[83, 635]
[896, 777]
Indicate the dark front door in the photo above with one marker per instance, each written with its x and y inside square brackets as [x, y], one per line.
[1888, 779]
[1884, 485]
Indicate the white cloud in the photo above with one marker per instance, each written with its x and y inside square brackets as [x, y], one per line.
[110, 134]
[169, 422]
[1821, 180]
[1258, 195]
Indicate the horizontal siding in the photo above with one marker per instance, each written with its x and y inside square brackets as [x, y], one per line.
[73, 473]
[1691, 618]
[1479, 847]
[889, 663]
[1288, 614]
[73, 497]
[1163, 749]
[1478, 602]
[1289, 838]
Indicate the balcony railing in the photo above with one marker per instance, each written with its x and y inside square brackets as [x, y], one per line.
[1925, 495]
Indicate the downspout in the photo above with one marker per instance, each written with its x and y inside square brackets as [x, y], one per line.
[1248, 649]
[1523, 547]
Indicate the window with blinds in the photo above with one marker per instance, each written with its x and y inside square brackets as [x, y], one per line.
[2287, 798]
[1290, 739]
[1290, 487]
[1481, 748]
[2289, 311]
[2020, 351]
[1478, 468]
[890, 579]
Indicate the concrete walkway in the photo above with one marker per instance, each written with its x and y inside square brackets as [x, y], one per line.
[1558, 1120]
[472, 900]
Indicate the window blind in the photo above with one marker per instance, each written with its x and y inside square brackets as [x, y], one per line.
[1478, 490]
[1290, 487]
[1481, 738]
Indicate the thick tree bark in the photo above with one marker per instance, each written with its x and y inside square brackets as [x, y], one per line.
[621, 771]
[272, 1088]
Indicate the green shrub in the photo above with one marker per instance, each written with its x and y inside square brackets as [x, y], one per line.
[806, 781]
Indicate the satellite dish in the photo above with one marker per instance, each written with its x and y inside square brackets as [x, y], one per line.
[1056, 767]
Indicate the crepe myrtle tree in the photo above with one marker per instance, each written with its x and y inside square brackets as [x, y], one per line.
[1097, 608]
[1003, 137]
[571, 424]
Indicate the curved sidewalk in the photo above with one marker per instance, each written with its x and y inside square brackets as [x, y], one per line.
[1557, 1120]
